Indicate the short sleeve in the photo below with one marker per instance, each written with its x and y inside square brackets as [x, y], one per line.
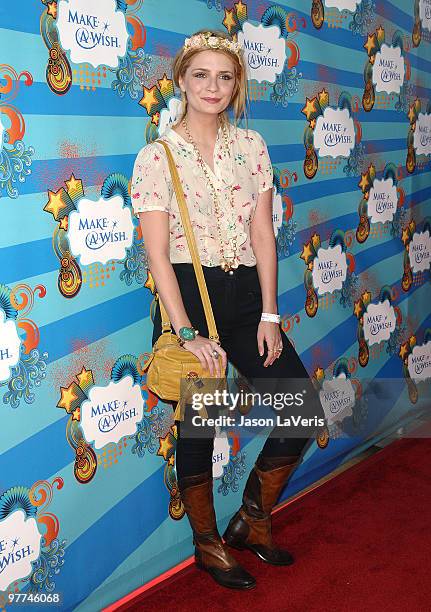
[264, 166]
[150, 180]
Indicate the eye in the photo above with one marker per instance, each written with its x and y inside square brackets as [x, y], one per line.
[199, 74]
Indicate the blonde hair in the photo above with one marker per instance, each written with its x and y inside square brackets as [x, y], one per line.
[239, 100]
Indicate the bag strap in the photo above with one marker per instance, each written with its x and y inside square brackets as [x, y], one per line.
[212, 329]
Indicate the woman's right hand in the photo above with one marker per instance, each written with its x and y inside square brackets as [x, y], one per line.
[203, 349]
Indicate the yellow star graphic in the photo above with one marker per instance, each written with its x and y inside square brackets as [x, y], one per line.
[405, 236]
[411, 113]
[403, 350]
[309, 108]
[149, 99]
[64, 223]
[306, 252]
[55, 203]
[370, 44]
[357, 309]
[76, 414]
[229, 20]
[85, 377]
[164, 82]
[363, 183]
[319, 373]
[165, 447]
[240, 6]
[380, 31]
[366, 296]
[171, 460]
[155, 118]
[68, 396]
[324, 97]
[52, 9]
[73, 184]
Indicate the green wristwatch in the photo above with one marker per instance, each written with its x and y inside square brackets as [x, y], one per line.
[187, 333]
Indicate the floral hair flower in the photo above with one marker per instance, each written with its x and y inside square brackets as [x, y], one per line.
[208, 40]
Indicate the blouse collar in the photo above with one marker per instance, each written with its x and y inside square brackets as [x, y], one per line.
[171, 133]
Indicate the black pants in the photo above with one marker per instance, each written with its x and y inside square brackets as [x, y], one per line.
[236, 301]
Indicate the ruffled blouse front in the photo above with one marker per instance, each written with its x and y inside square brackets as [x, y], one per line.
[248, 173]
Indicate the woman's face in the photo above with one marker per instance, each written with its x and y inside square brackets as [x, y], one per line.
[209, 82]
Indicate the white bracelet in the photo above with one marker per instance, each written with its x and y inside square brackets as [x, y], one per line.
[269, 316]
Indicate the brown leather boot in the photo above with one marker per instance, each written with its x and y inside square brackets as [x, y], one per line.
[250, 527]
[211, 554]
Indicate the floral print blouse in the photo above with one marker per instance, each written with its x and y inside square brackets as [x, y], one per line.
[250, 173]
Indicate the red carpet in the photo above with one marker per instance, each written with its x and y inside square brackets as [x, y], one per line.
[361, 541]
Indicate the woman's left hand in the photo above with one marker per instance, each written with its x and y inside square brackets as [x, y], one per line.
[270, 333]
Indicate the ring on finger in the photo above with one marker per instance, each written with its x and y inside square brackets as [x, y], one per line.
[214, 353]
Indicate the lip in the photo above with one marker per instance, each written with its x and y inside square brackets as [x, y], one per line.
[212, 100]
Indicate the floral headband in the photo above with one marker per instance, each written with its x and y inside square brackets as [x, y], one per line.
[208, 40]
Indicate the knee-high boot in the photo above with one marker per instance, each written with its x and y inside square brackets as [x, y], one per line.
[250, 527]
[211, 554]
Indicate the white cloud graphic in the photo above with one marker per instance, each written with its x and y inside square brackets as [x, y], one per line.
[419, 361]
[382, 200]
[425, 14]
[100, 231]
[277, 211]
[338, 398]
[220, 452]
[16, 559]
[10, 343]
[334, 133]
[419, 251]
[349, 5]
[264, 51]
[112, 412]
[169, 115]
[93, 31]
[422, 134]
[379, 322]
[329, 269]
[388, 69]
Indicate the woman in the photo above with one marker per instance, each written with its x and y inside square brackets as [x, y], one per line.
[227, 178]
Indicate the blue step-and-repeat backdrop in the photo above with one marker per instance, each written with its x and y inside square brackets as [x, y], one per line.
[340, 90]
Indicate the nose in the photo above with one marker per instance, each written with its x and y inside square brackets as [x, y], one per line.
[212, 84]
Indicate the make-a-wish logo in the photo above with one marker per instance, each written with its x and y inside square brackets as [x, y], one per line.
[20, 542]
[10, 343]
[379, 322]
[264, 51]
[221, 452]
[388, 69]
[425, 14]
[94, 32]
[338, 398]
[422, 134]
[329, 269]
[112, 412]
[277, 211]
[334, 133]
[169, 115]
[419, 361]
[382, 200]
[343, 5]
[419, 251]
[100, 231]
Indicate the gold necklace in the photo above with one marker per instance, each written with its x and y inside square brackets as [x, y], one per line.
[228, 262]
